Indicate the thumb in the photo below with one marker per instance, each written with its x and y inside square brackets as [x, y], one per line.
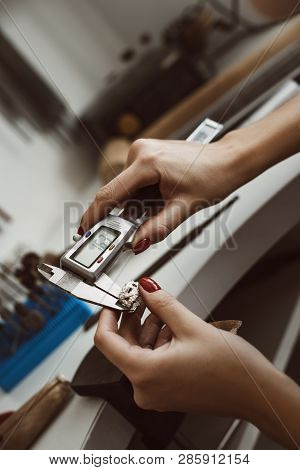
[171, 312]
[161, 225]
[118, 190]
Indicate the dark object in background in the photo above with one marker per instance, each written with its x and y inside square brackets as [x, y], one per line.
[154, 84]
[145, 38]
[5, 216]
[190, 31]
[30, 260]
[127, 55]
[31, 320]
[24, 94]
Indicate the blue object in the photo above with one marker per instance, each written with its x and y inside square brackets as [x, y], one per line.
[71, 314]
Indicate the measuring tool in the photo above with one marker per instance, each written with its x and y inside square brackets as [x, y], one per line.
[82, 267]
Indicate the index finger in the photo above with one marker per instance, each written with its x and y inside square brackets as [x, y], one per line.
[116, 348]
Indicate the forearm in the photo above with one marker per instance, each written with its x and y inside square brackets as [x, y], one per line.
[277, 9]
[274, 399]
[263, 144]
[279, 411]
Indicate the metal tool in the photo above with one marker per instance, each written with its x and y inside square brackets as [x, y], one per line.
[17, 334]
[8, 317]
[82, 267]
[31, 319]
[9, 278]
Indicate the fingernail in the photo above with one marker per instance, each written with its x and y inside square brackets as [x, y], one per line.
[80, 231]
[141, 246]
[148, 284]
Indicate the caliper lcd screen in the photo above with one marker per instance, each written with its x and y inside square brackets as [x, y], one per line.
[95, 246]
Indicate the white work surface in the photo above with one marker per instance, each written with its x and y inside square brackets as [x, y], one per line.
[267, 208]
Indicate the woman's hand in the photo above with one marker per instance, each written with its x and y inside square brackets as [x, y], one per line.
[193, 366]
[190, 176]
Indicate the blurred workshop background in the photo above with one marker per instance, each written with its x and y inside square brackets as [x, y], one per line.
[79, 79]
[75, 75]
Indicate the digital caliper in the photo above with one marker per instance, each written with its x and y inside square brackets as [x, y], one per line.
[82, 267]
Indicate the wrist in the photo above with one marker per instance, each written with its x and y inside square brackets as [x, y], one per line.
[257, 147]
[276, 412]
[236, 158]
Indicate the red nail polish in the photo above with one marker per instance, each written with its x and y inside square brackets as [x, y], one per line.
[148, 284]
[80, 231]
[141, 246]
